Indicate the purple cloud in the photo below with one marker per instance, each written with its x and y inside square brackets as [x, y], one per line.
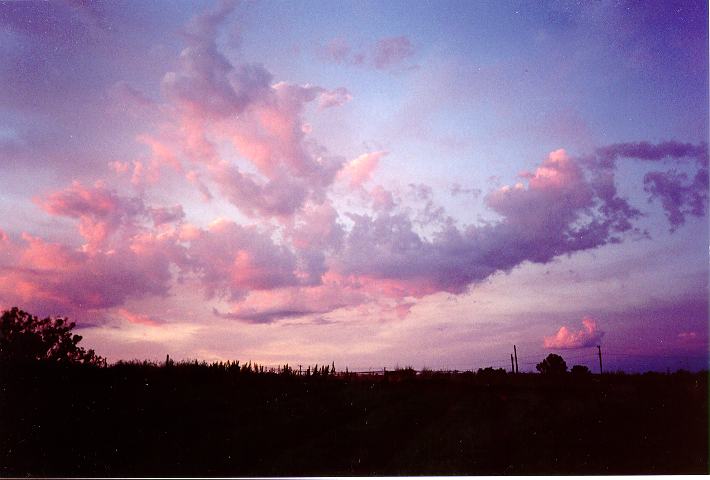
[678, 195]
[391, 51]
[231, 260]
[207, 84]
[564, 208]
[384, 54]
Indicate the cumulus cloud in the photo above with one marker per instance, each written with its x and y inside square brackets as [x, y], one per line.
[279, 196]
[207, 84]
[588, 336]
[237, 103]
[558, 212]
[360, 170]
[393, 250]
[315, 235]
[52, 278]
[103, 213]
[231, 260]
[100, 210]
[307, 253]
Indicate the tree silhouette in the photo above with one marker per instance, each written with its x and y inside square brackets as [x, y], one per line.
[491, 372]
[552, 365]
[27, 338]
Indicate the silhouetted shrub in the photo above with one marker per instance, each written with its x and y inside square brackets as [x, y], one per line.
[581, 371]
[552, 365]
[491, 372]
[26, 338]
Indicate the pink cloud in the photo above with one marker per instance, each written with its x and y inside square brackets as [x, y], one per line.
[382, 199]
[334, 98]
[560, 210]
[218, 101]
[229, 126]
[360, 170]
[588, 336]
[51, 278]
[231, 260]
[138, 318]
[279, 197]
[162, 153]
[315, 235]
[294, 302]
[195, 178]
[403, 309]
[100, 210]
[164, 215]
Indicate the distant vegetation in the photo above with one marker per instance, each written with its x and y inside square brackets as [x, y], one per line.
[64, 412]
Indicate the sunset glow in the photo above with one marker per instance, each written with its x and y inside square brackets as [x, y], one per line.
[366, 183]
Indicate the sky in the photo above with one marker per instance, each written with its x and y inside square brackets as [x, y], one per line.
[374, 184]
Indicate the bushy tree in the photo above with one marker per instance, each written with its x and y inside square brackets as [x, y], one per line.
[552, 365]
[27, 338]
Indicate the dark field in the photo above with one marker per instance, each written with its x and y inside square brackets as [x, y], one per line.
[143, 420]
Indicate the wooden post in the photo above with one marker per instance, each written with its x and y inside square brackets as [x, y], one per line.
[516, 359]
[512, 365]
[601, 370]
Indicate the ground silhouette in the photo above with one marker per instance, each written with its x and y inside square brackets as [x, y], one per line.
[140, 419]
[64, 415]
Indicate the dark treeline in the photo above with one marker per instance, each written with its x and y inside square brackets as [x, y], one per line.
[191, 418]
[65, 412]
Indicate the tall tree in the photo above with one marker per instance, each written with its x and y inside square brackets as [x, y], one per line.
[27, 338]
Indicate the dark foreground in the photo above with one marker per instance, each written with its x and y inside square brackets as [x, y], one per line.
[186, 420]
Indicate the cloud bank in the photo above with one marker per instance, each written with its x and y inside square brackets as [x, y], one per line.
[314, 233]
[588, 336]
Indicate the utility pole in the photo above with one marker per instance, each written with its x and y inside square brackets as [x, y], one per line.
[512, 365]
[515, 350]
[601, 370]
